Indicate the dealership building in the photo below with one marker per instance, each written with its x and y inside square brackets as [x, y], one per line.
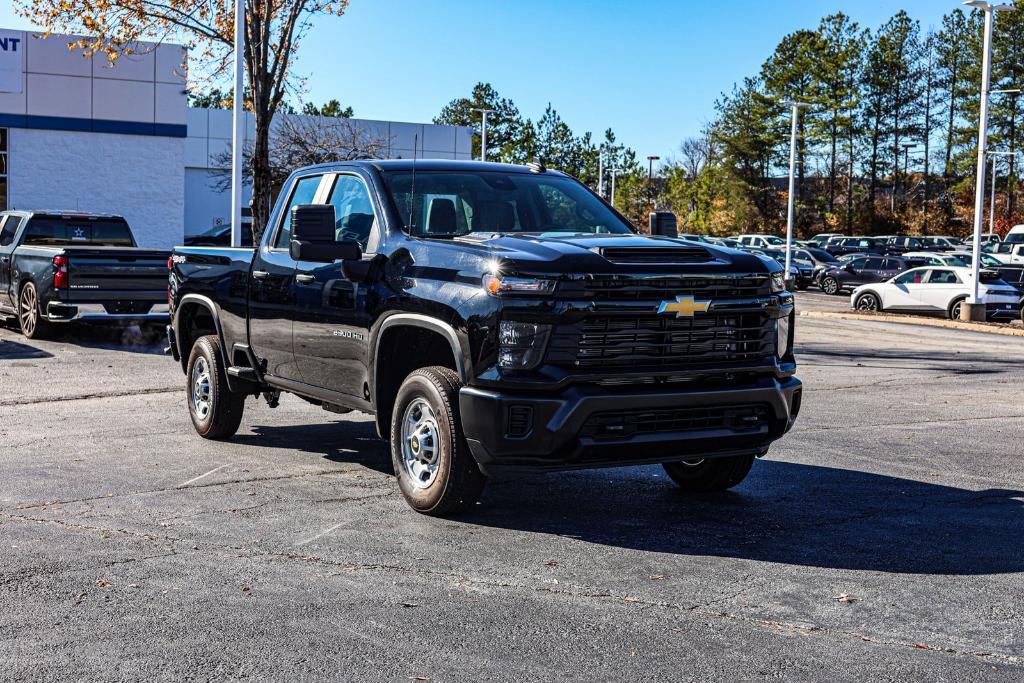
[80, 134]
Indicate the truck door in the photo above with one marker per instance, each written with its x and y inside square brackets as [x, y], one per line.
[8, 229]
[272, 287]
[332, 313]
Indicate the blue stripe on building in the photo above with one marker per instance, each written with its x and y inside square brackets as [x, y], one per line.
[167, 130]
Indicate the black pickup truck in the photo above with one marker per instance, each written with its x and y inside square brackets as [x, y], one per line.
[60, 267]
[494, 319]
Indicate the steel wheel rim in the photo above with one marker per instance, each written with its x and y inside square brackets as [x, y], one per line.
[202, 402]
[421, 446]
[28, 310]
[867, 303]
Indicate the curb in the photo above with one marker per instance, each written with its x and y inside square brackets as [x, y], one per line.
[987, 328]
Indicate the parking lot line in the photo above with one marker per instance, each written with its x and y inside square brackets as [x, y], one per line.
[201, 476]
[322, 533]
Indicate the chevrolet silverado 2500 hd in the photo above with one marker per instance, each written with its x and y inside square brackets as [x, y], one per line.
[494, 319]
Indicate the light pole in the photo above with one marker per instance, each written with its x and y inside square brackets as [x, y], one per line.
[614, 172]
[237, 127]
[600, 171]
[992, 206]
[791, 209]
[483, 131]
[973, 309]
[650, 178]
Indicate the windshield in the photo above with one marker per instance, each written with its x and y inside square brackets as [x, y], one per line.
[61, 230]
[774, 240]
[450, 203]
[1015, 238]
[822, 255]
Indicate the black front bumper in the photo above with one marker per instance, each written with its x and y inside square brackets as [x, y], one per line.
[588, 426]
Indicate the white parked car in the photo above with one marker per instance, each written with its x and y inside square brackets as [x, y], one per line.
[937, 258]
[761, 241]
[939, 289]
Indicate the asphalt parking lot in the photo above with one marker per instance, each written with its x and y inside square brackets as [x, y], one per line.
[881, 540]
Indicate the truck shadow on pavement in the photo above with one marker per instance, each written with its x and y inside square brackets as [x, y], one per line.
[12, 350]
[787, 513]
[344, 441]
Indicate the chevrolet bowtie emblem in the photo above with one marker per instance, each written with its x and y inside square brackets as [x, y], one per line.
[684, 306]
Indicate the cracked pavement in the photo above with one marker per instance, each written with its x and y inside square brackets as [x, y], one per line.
[881, 540]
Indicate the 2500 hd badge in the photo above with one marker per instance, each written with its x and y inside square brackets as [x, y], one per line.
[494, 319]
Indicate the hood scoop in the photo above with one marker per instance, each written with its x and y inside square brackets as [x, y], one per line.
[654, 255]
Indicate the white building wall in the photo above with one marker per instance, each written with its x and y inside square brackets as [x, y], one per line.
[136, 176]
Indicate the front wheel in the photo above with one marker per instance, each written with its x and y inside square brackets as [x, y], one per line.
[216, 411]
[709, 475]
[33, 324]
[435, 470]
[868, 302]
[830, 285]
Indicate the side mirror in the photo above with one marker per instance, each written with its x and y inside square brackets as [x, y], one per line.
[313, 236]
[324, 252]
[663, 223]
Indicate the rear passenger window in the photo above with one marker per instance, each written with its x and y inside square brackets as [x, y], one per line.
[943, 277]
[304, 192]
[873, 264]
[8, 225]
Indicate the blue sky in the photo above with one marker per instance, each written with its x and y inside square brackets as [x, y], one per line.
[650, 69]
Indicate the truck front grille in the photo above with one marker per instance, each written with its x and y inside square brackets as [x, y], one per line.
[627, 288]
[660, 341]
[624, 424]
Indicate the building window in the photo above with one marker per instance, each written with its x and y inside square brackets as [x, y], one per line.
[3, 169]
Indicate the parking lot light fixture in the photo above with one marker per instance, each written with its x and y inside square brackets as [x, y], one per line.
[791, 209]
[237, 127]
[615, 172]
[973, 310]
[483, 131]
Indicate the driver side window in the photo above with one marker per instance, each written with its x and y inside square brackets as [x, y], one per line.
[353, 210]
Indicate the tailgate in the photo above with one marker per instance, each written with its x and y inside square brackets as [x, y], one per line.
[104, 273]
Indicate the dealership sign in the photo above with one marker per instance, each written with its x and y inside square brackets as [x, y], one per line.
[12, 45]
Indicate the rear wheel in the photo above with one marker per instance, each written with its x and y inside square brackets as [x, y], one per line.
[435, 470]
[216, 411]
[709, 475]
[955, 308]
[830, 285]
[868, 302]
[32, 323]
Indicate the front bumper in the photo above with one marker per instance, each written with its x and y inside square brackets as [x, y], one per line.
[59, 312]
[587, 426]
[1003, 311]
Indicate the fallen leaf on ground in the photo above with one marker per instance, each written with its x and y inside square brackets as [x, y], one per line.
[656, 577]
[103, 583]
[245, 588]
[843, 597]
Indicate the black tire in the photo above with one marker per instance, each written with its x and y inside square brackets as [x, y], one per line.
[868, 301]
[433, 439]
[954, 309]
[830, 285]
[802, 286]
[30, 317]
[216, 411]
[708, 476]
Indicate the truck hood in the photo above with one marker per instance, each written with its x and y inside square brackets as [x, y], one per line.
[573, 252]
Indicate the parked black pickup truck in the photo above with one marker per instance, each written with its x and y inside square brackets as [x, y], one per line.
[494, 319]
[70, 267]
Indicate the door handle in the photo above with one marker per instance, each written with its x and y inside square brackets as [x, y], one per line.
[304, 277]
[260, 274]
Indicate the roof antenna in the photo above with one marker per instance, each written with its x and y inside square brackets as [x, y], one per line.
[412, 194]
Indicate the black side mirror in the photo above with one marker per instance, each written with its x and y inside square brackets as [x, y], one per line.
[663, 223]
[313, 236]
[325, 252]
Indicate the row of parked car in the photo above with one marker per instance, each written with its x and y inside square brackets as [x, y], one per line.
[900, 272]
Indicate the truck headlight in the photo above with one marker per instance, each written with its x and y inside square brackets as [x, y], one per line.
[521, 345]
[778, 282]
[497, 285]
[783, 335]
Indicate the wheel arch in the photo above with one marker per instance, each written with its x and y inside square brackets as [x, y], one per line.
[430, 341]
[195, 316]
